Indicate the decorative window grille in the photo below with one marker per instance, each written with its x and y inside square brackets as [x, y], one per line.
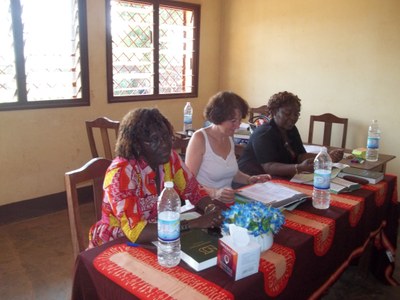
[152, 50]
[43, 54]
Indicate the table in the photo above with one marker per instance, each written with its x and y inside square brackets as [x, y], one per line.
[307, 257]
[379, 165]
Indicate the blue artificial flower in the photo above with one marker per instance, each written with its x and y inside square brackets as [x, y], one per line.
[256, 217]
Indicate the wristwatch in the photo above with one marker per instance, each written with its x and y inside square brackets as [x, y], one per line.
[184, 225]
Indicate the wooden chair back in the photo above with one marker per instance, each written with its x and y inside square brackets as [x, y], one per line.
[104, 124]
[328, 119]
[93, 172]
[180, 144]
[255, 112]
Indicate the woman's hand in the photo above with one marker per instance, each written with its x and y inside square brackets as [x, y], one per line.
[259, 178]
[336, 155]
[209, 220]
[306, 165]
[226, 195]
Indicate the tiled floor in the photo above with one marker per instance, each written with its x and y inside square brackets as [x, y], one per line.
[36, 260]
[36, 263]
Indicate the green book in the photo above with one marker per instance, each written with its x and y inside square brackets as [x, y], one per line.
[199, 249]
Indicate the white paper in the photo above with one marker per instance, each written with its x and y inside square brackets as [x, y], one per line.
[267, 192]
[313, 148]
[190, 215]
[187, 206]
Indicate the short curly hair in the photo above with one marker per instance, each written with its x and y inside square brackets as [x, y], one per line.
[221, 107]
[136, 126]
[281, 99]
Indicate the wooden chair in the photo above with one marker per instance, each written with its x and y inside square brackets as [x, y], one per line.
[257, 116]
[255, 112]
[104, 124]
[93, 172]
[328, 119]
[180, 144]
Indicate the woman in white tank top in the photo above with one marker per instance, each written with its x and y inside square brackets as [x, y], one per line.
[210, 154]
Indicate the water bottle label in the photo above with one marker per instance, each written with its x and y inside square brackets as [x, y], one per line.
[373, 143]
[187, 119]
[322, 179]
[168, 226]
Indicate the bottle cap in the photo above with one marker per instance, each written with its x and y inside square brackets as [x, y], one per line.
[168, 184]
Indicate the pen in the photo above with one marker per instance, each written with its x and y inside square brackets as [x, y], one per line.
[144, 246]
[132, 244]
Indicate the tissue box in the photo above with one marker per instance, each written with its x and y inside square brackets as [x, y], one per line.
[238, 262]
[359, 152]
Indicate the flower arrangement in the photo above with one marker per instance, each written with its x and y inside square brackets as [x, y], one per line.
[256, 217]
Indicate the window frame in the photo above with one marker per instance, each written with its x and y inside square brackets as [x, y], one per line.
[22, 102]
[196, 57]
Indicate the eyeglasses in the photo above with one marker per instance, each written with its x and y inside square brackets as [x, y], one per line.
[155, 140]
[288, 113]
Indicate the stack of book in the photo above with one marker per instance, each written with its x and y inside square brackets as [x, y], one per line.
[371, 176]
[338, 185]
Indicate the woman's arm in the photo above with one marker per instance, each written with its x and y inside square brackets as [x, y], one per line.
[243, 178]
[211, 217]
[211, 214]
[281, 169]
[194, 152]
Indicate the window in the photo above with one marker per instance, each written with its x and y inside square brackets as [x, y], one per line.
[43, 54]
[152, 50]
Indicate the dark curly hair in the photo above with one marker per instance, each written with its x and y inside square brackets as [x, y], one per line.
[281, 99]
[221, 107]
[136, 126]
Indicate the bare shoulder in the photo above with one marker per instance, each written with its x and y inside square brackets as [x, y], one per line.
[198, 137]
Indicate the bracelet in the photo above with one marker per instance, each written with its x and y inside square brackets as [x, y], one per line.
[295, 167]
[209, 208]
[248, 180]
[185, 225]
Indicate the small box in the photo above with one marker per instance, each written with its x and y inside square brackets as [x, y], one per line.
[238, 262]
[359, 152]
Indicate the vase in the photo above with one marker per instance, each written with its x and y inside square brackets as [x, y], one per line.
[265, 240]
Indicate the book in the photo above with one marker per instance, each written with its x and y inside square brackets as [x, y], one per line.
[372, 176]
[338, 185]
[199, 249]
[270, 193]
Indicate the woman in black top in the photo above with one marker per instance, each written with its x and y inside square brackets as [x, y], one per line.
[276, 147]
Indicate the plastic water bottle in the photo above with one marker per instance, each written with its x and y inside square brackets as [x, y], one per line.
[168, 226]
[321, 197]
[374, 136]
[187, 117]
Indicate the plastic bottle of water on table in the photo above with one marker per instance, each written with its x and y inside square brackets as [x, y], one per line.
[168, 226]
[187, 117]
[374, 136]
[321, 197]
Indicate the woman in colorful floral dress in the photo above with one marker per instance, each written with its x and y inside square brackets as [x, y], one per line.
[135, 178]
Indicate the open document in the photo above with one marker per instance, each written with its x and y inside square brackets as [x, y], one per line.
[271, 193]
[338, 185]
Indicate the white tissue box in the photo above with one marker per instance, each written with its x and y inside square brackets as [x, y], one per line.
[238, 262]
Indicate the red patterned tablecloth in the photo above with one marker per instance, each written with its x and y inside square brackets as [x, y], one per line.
[308, 255]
